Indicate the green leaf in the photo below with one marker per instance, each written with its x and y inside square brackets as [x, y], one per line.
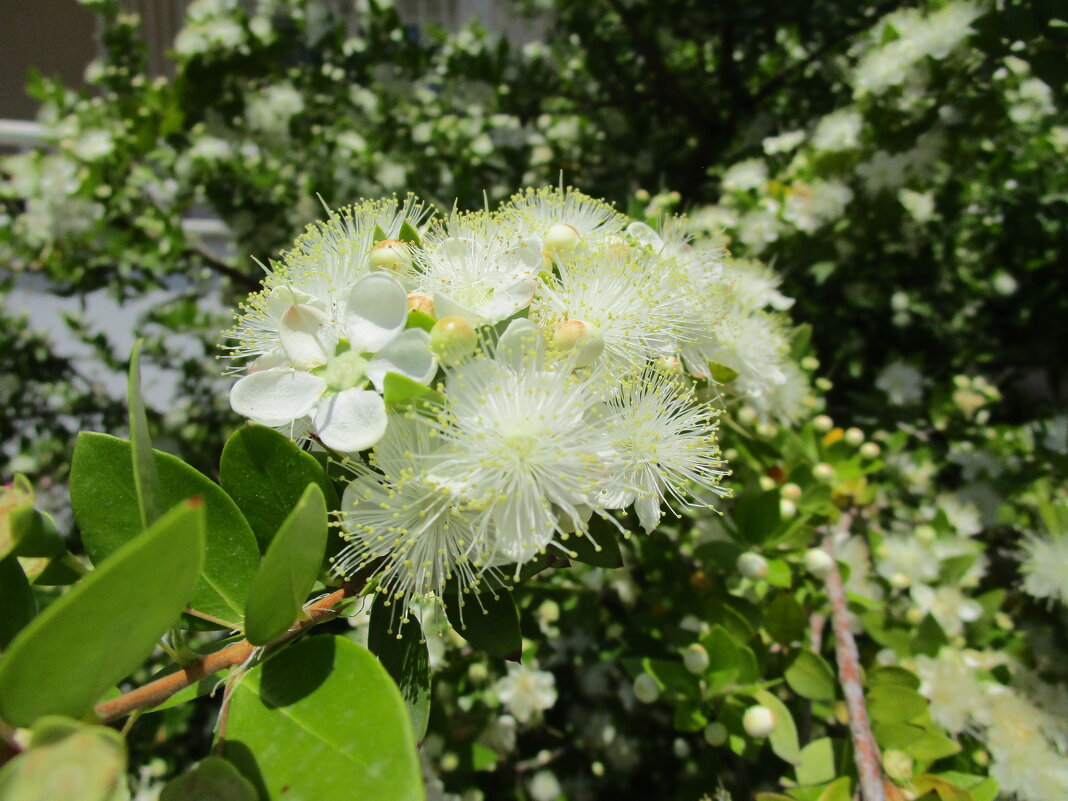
[982, 788]
[783, 738]
[599, 548]
[757, 516]
[288, 571]
[214, 779]
[817, 762]
[721, 373]
[418, 319]
[893, 675]
[689, 717]
[895, 704]
[146, 481]
[33, 534]
[67, 760]
[266, 473]
[403, 653]
[676, 683]
[105, 507]
[16, 599]
[838, 790]
[103, 628]
[487, 620]
[929, 637]
[399, 392]
[778, 574]
[811, 677]
[946, 791]
[409, 234]
[785, 619]
[320, 720]
[379, 234]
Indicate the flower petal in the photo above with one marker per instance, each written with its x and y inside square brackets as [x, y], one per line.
[377, 312]
[645, 235]
[506, 301]
[277, 396]
[307, 338]
[520, 344]
[409, 354]
[351, 420]
[444, 306]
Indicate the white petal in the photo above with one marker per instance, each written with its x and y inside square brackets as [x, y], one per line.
[524, 527]
[526, 256]
[508, 300]
[351, 420]
[273, 358]
[521, 343]
[646, 235]
[306, 336]
[377, 312]
[409, 354]
[282, 297]
[647, 508]
[444, 306]
[277, 396]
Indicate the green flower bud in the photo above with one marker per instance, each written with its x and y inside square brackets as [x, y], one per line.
[560, 237]
[758, 721]
[391, 254]
[791, 491]
[752, 566]
[715, 734]
[695, 658]
[823, 473]
[818, 562]
[421, 303]
[787, 509]
[822, 423]
[869, 450]
[452, 339]
[854, 436]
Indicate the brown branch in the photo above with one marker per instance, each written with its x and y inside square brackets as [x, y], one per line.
[158, 691]
[865, 749]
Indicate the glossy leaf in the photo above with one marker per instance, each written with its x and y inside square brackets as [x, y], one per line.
[16, 599]
[487, 621]
[288, 570]
[817, 762]
[103, 628]
[811, 677]
[105, 508]
[33, 534]
[838, 790]
[890, 704]
[409, 234]
[265, 473]
[214, 779]
[399, 391]
[783, 738]
[403, 653]
[418, 319]
[599, 548]
[146, 480]
[323, 719]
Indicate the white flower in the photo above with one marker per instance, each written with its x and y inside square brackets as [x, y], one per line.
[666, 446]
[745, 175]
[783, 143]
[902, 383]
[962, 515]
[270, 109]
[920, 205]
[325, 365]
[839, 130]
[562, 218]
[810, 206]
[884, 171]
[525, 691]
[949, 682]
[544, 786]
[93, 145]
[904, 560]
[753, 286]
[1045, 567]
[759, 228]
[948, 605]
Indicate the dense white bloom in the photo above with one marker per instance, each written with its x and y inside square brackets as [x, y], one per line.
[949, 681]
[270, 109]
[902, 383]
[745, 175]
[563, 218]
[920, 205]
[526, 691]
[809, 206]
[839, 130]
[753, 286]
[948, 605]
[783, 143]
[884, 171]
[904, 560]
[1045, 567]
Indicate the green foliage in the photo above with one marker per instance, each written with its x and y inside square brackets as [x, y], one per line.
[145, 478]
[403, 653]
[488, 620]
[214, 779]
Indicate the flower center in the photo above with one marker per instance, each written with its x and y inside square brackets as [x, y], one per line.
[345, 371]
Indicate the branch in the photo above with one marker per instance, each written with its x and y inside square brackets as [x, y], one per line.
[866, 750]
[158, 691]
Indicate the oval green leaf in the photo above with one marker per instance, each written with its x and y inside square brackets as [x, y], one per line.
[323, 719]
[265, 473]
[488, 621]
[106, 510]
[214, 779]
[403, 653]
[16, 599]
[103, 628]
[811, 677]
[288, 570]
[783, 738]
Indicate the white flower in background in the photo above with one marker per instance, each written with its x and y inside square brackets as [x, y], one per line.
[962, 515]
[328, 362]
[920, 205]
[949, 682]
[786, 401]
[759, 228]
[948, 605]
[544, 786]
[902, 383]
[942, 31]
[854, 552]
[903, 560]
[753, 286]
[783, 143]
[210, 148]
[665, 445]
[884, 171]
[92, 145]
[839, 130]
[1045, 567]
[809, 206]
[745, 175]
[209, 24]
[525, 691]
[1023, 759]
[1056, 434]
[270, 109]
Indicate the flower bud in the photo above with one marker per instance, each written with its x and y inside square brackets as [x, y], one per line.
[767, 483]
[752, 566]
[898, 765]
[818, 562]
[583, 338]
[421, 303]
[715, 734]
[791, 490]
[869, 450]
[925, 533]
[854, 436]
[823, 473]
[560, 237]
[810, 363]
[391, 254]
[695, 658]
[758, 721]
[452, 339]
[646, 689]
[747, 416]
[822, 423]
[787, 509]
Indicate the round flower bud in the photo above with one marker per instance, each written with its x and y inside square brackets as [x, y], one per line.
[822, 423]
[421, 303]
[818, 562]
[670, 364]
[391, 254]
[477, 672]
[752, 566]
[767, 483]
[646, 689]
[787, 509]
[791, 490]
[810, 363]
[854, 436]
[695, 658]
[584, 339]
[747, 415]
[680, 748]
[823, 473]
[715, 734]
[449, 762]
[869, 450]
[758, 721]
[898, 765]
[560, 237]
[925, 533]
[452, 339]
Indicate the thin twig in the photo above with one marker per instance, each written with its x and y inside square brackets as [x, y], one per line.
[865, 749]
[218, 621]
[158, 691]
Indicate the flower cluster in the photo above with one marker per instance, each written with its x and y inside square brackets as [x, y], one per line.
[507, 375]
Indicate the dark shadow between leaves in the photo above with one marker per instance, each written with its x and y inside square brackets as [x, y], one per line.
[296, 672]
[241, 757]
